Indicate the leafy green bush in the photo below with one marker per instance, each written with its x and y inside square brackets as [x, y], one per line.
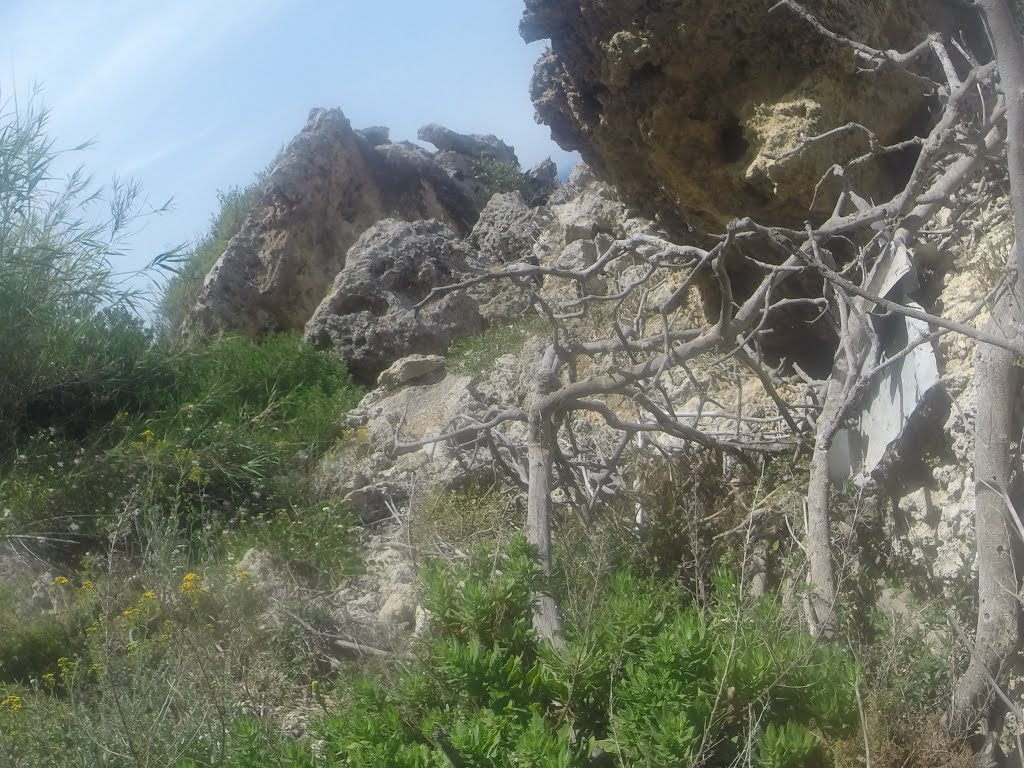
[496, 176]
[152, 678]
[654, 682]
[212, 434]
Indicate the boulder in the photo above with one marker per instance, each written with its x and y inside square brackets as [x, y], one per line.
[370, 317]
[421, 369]
[540, 182]
[399, 609]
[508, 229]
[376, 135]
[690, 108]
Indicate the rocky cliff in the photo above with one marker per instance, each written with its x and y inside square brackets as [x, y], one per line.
[693, 109]
[331, 184]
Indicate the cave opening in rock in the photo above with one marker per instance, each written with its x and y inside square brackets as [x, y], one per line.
[732, 146]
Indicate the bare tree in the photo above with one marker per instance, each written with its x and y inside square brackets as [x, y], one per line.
[998, 636]
[624, 383]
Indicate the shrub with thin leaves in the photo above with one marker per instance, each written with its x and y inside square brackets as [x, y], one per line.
[68, 336]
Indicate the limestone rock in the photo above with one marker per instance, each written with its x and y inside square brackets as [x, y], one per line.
[399, 609]
[259, 568]
[376, 135]
[473, 145]
[423, 369]
[369, 318]
[541, 182]
[508, 228]
[691, 106]
[330, 185]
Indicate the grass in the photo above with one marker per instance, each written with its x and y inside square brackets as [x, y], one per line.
[474, 354]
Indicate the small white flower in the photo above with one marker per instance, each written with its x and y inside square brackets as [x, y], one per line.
[60, 464]
[7, 512]
[74, 527]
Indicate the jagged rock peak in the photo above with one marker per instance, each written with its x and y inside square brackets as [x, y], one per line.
[474, 145]
[331, 184]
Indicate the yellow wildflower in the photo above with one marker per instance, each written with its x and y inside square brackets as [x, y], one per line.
[192, 584]
[130, 613]
[86, 585]
[198, 475]
[49, 678]
[150, 595]
[60, 581]
[12, 702]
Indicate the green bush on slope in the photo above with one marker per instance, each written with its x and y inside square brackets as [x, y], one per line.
[655, 683]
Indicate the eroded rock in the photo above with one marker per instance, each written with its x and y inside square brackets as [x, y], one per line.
[508, 228]
[330, 185]
[422, 369]
[690, 108]
[370, 317]
[473, 145]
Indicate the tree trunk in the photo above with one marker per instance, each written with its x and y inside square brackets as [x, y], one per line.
[998, 637]
[547, 618]
[820, 600]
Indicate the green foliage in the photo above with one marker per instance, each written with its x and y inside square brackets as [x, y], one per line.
[182, 290]
[790, 745]
[218, 435]
[654, 682]
[33, 641]
[68, 337]
[150, 679]
[478, 353]
[496, 176]
[467, 517]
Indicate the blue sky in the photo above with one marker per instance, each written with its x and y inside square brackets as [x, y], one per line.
[192, 96]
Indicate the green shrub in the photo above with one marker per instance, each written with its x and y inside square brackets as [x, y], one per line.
[467, 518]
[495, 176]
[478, 353]
[215, 434]
[654, 682]
[69, 339]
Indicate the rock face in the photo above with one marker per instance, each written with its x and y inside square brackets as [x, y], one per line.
[331, 184]
[418, 398]
[689, 108]
[473, 145]
[508, 228]
[369, 318]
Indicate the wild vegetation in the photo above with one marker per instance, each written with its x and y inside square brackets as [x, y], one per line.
[140, 471]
